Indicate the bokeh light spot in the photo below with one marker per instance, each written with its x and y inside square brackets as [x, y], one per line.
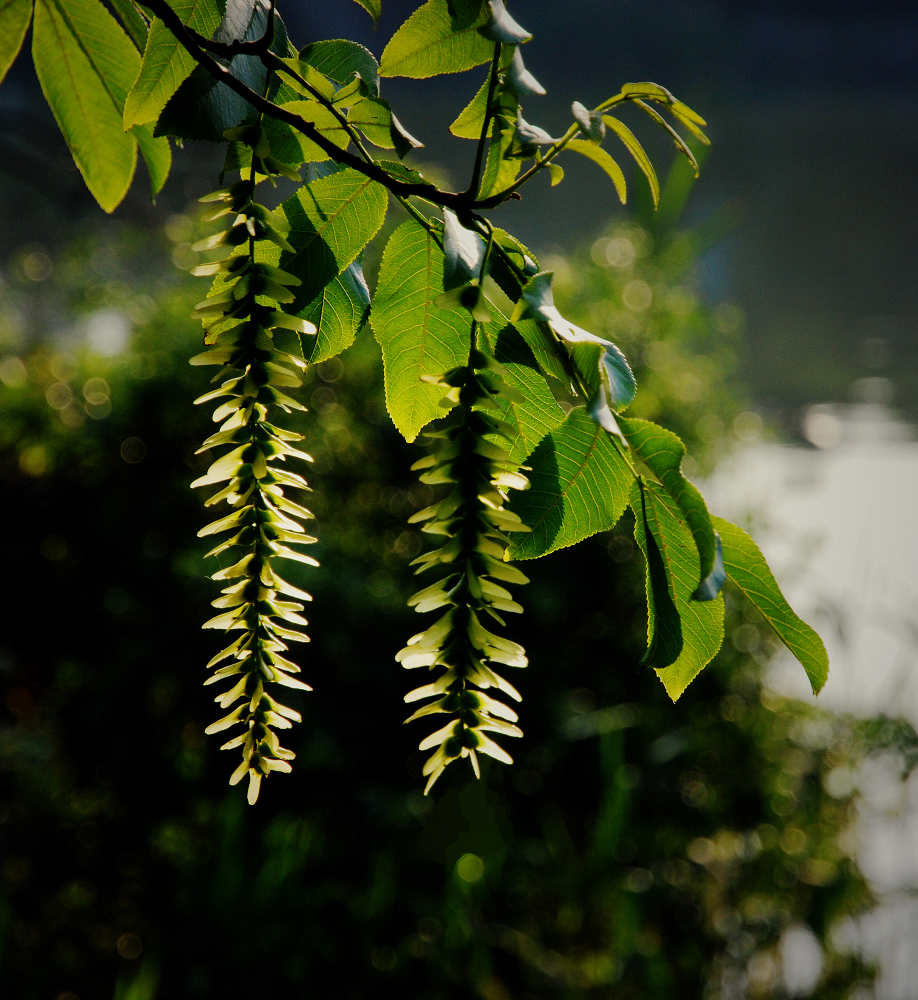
[470, 868]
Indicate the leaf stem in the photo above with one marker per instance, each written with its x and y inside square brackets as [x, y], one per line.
[483, 139]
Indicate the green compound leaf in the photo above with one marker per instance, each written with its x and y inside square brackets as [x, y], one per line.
[201, 108]
[379, 125]
[330, 221]
[431, 42]
[133, 22]
[156, 153]
[340, 58]
[747, 568]
[166, 64]
[418, 338]
[664, 626]
[580, 485]
[469, 122]
[15, 16]
[602, 159]
[372, 7]
[637, 151]
[681, 144]
[85, 64]
[662, 452]
[343, 210]
[338, 312]
[291, 146]
[530, 406]
[702, 623]
[603, 366]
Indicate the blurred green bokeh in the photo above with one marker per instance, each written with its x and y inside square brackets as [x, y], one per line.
[635, 849]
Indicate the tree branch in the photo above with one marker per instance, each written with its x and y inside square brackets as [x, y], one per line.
[226, 50]
[460, 202]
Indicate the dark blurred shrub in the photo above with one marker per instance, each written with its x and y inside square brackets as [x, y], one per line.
[636, 849]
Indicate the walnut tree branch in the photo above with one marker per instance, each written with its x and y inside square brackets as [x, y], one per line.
[460, 202]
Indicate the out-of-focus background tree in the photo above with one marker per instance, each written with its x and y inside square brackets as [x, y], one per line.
[635, 849]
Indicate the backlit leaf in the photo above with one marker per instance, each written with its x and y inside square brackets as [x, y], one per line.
[637, 151]
[157, 154]
[605, 369]
[429, 44]
[330, 221]
[500, 169]
[372, 7]
[602, 159]
[701, 622]
[15, 16]
[580, 485]
[418, 338]
[747, 568]
[664, 626]
[202, 108]
[530, 406]
[470, 119]
[374, 118]
[338, 312]
[133, 22]
[662, 452]
[545, 347]
[85, 64]
[166, 63]
[339, 59]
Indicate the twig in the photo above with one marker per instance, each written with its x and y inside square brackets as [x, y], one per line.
[460, 202]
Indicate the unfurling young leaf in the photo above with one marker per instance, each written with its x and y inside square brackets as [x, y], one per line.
[590, 122]
[520, 80]
[463, 251]
[527, 138]
[502, 28]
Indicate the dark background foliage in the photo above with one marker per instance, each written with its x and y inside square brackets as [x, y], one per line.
[635, 849]
[634, 845]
